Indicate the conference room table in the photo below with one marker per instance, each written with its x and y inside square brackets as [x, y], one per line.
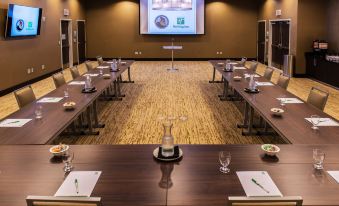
[131, 176]
[292, 125]
[55, 118]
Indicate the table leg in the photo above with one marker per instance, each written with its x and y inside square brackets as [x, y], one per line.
[95, 114]
[129, 76]
[245, 122]
[213, 77]
[250, 124]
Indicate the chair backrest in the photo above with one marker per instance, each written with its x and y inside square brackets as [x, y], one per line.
[75, 72]
[265, 201]
[318, 98]
[89, 65]
[24, 96]
[283, 81]
[62, 201]
[59, 79]
[100, 60]
[268, 73]
[243, 61]
[254, 66]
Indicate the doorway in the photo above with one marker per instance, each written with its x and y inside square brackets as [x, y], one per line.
[279, 42]
[261, 42]
[81, 41]
[66, 43]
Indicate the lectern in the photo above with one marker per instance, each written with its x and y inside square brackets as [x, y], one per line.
[172, 48]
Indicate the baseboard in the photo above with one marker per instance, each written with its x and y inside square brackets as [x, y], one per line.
[176, 59]
[300, 76]
[32, 81]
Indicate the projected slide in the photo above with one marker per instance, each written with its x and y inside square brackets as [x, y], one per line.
[24, 20]
[172, 17]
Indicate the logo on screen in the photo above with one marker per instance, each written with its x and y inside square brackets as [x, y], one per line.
[180, 20]
[161, 21]
[20, 24]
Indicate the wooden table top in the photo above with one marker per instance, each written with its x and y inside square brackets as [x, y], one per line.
[292, 126]
[55, 118]
[130, 175]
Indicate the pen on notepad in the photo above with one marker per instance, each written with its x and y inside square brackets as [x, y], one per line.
[76, 185]
[255, 182]
[12, 122]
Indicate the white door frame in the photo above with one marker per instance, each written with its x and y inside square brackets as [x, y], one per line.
[78, 39]
[270, 40]
[70, 39]
[265, 57]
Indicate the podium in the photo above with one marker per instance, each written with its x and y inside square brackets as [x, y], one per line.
[172, 48]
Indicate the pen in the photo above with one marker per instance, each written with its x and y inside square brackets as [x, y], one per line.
[12, 122]
[76, 185]
[255, 182]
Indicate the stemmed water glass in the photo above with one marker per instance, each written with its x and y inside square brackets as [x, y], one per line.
[318, 157]
[225, 160]
[282, 100]
[38, 111]
[315, 120]
[68, 159]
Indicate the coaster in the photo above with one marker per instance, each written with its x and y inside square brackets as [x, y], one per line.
[92, 90]
[156, 154]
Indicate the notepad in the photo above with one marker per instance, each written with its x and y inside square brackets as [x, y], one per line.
[240, 68]
[50, 100]
[86, 181]
[290, 100]
[77, 83]
[258, 184]
[324, 122]
[248, 75]
[264, 83]
[102, 67]
[334, 174]
[91, 75]
[14, 122]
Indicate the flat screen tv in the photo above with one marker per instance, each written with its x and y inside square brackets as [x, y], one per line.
[172, 17]
[23, 21]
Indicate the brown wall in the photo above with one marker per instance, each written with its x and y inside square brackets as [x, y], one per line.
[312, 18]
[333, 25]
[113, 31]
[18, 54]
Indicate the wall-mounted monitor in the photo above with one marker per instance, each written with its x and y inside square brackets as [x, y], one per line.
[23, 21]
[172, 17]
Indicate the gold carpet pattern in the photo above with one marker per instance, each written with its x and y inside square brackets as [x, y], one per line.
[185, 96]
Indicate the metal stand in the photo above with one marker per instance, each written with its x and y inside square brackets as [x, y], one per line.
[172, 47]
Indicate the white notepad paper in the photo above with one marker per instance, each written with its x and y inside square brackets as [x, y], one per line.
[14, 122]
[291, 100]
[50, 100]
[102, 67]
[91, 75]
[77, 83]
[239, 68]
[248, 76]
[323, 122]
[86, 181]
[258, 184]
[264, 83]
[334, 174]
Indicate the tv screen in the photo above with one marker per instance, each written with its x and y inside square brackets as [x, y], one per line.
[23, 21]
[172, 17]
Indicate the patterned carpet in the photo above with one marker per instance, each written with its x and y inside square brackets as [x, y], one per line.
[157, 94]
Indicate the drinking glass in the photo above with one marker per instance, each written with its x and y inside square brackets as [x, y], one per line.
[318, 157]
[282, 100]
[225, 160]
[66, 93]
[38, 111]
[68, 159]
[119, 60]
[101, 71]
[315, 120]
